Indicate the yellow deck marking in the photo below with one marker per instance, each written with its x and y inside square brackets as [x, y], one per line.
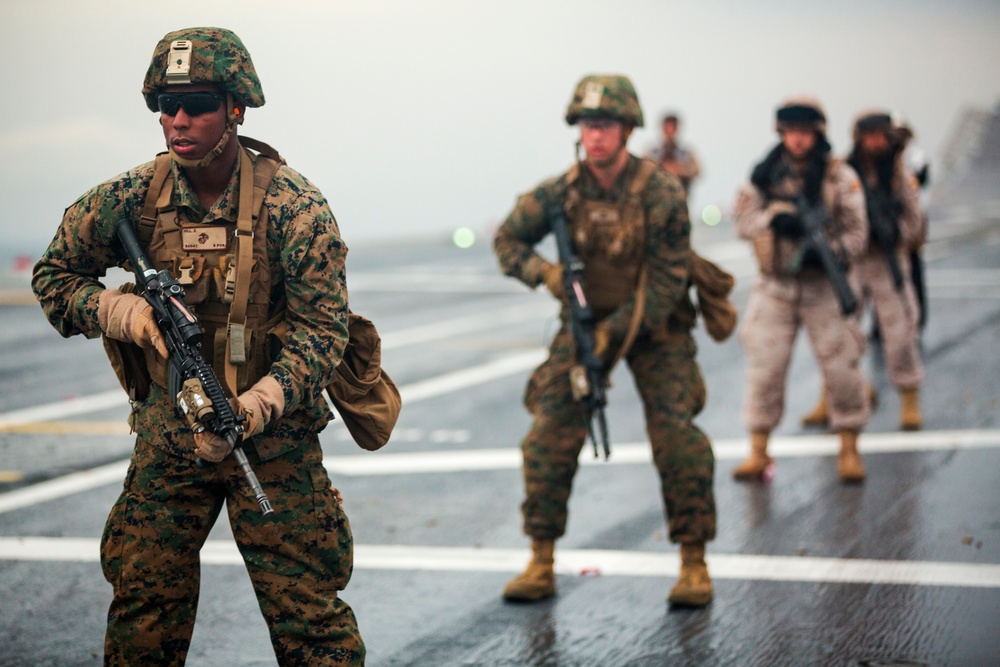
[67, 428]
[17, 297]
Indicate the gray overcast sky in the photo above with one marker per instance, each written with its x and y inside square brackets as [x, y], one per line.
[416, 117]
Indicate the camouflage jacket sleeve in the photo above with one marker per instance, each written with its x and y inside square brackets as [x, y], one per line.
[751, 214]
[848, 210]
[668, 257]
[515, 240]
[308, 257]
[906, 190]
[66, 280]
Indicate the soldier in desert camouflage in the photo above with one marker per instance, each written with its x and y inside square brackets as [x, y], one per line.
[884, 272]
[675, 158]
[789, 295]
[275, 356]
[623, 213]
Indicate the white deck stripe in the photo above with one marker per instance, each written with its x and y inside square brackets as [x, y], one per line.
[435, 386]
[468, 377]
[411, 463]
[456, 326]
[458, 282]
[509, 458]
[76, 482]
[68, 408]
[573, 561]
[416, 391]
[90, 479]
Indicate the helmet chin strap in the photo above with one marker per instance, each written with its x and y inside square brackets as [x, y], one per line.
[232, 117]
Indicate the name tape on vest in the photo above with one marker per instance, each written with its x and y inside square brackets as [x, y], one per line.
[204, 239]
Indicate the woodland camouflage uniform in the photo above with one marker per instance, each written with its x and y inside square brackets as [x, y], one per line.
[662, 361]
[299, 557]
[662, 358]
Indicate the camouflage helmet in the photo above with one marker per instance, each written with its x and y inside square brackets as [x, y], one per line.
[203, 55]
[605, 96]
[801, 111]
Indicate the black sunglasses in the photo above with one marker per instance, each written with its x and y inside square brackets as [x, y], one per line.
[194, 104]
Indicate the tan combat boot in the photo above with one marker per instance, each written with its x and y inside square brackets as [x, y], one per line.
[850, 468]
[538, 581]
[818, 416]
[755, 464]
[909, 417]
[693, 587]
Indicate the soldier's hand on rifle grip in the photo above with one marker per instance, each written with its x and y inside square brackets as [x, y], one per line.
[602, 341]
[552, 276]
[788, 226]
[129, 318]
[211, 447]
[257, 406]
[778, 212]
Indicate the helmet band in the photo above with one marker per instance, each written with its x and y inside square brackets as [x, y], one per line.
[799, 113]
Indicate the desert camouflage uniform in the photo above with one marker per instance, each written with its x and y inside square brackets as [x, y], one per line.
[302, 555]
[679, 160]
[781, 303]
[662, 361]
[897, 313]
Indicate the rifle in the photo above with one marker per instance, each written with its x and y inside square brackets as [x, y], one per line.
[814, 221]
[587, 377]
[192, 381]
[883, 223]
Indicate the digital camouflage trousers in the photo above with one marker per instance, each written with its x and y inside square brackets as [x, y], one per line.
[298, 558]
[672, 392]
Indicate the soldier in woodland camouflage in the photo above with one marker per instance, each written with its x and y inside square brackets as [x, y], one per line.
[187, 205]
[624, 214]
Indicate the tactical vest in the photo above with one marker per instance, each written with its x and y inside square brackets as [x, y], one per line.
[610, 238]
[774, 253]
[223, 267]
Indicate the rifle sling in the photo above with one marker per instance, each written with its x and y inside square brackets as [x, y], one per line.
[236, 338]
[646, 170]
[253, 187]
[147, 219]
[635, 321]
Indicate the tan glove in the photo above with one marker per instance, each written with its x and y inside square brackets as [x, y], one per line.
[211, 447]
[127, 317]
[602, 341]
[258, 405]
[552, 276]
